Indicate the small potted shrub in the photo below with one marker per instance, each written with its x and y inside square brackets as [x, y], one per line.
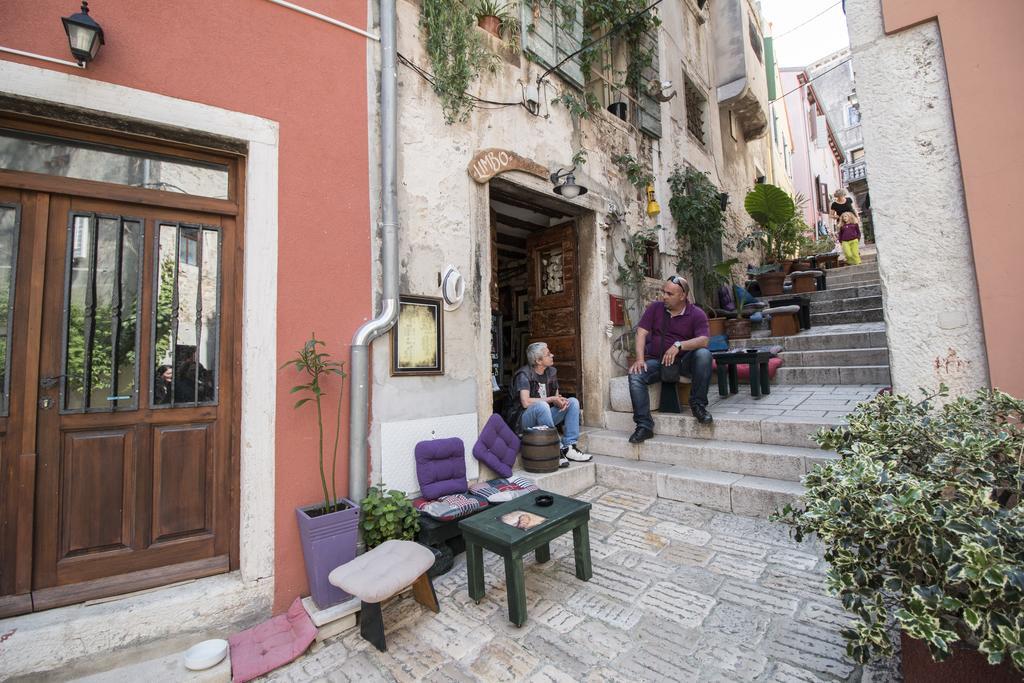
[388, 515]
[329, 530]
[491, 15]
[922, 522]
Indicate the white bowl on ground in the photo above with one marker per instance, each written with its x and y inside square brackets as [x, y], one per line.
[206, 654]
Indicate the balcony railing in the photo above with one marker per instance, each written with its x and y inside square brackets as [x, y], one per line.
[858, 170]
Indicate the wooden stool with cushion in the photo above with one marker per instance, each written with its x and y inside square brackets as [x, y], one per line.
[784, 320]
[804, 281]
[377, 574]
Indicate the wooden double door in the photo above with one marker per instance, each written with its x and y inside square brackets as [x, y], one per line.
[119, 380]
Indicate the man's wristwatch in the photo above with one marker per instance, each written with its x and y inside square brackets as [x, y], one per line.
[678, 345]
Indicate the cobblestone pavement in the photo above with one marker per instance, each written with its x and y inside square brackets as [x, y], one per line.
[679, 593]
[794, 400]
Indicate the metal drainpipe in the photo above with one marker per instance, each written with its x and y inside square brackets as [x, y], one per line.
[359, 360]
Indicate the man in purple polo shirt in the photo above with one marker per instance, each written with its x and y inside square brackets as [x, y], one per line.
[670, 331]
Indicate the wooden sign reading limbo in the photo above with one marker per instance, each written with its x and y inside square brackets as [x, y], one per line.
[490, 162]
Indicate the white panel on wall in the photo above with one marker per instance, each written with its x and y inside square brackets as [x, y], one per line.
[398, 443]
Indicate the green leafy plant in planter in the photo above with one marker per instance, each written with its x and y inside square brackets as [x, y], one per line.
[696, 206]
[921, 518]
[387, 515]
[317, 365]
[775, 230]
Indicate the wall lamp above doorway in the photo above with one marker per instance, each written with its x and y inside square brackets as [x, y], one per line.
[85, 36]
[567, 187]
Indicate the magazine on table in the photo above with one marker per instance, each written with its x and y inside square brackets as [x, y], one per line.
[522, 520]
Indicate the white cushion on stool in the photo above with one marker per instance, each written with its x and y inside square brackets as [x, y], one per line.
[378, 574]
[782, 310]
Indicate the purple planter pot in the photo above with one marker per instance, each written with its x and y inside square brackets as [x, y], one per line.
[328, 541]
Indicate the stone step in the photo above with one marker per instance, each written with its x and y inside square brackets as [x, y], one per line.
[724, 491]
[777, 430]
[854, 374]
[839, 281]
[868, 315]
[854, 270]
[568, 481]
[851, 292]
[835, 357]
[816, 340]
[788, 463]
[855, 304]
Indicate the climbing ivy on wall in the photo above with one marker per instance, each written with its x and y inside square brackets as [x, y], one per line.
[457, 54]
[697, 209]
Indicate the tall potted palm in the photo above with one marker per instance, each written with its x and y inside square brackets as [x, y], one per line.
[776, 231]
[329, 530]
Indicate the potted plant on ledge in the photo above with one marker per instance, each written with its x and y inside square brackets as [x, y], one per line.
[923, 523]
[329, 530]
[777, 229]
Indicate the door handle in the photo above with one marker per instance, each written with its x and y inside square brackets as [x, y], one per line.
[50, 381]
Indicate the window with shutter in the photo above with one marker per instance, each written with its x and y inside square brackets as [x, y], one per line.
[649, 112]
[548, 36]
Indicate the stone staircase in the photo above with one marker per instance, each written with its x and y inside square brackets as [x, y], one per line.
[750, 460]
[846, 343]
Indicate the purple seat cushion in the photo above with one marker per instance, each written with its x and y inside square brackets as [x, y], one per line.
[441, 467]
[497, 446]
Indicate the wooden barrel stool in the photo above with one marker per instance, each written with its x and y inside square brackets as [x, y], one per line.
[540, 450]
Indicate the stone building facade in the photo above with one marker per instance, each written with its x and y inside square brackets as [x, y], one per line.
[474, 195]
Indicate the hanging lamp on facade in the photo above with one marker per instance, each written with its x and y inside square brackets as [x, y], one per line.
[568, 187]
[653, 208]
[84, 35]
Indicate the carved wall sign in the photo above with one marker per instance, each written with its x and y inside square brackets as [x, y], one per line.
[490, 162]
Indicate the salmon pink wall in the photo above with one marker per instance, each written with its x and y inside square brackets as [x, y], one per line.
[255, 57]
[982, 49]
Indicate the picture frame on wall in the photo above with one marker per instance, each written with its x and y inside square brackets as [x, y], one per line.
[417, 340]
[522, 308]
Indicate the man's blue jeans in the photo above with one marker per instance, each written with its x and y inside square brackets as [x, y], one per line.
[694, 364]
[539, 413]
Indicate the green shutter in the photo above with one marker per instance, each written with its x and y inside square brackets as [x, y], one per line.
[547, 41]
[649, 116]
[769, 66]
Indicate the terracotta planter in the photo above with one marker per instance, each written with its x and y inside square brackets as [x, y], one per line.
[716, 326]
[491, 24]
[965, 666]
[787, 266]
[737, 328]
[328, 541]
[771, 283]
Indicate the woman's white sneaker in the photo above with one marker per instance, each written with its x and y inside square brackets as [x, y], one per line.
[575, 454]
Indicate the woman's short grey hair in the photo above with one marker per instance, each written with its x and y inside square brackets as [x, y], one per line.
[535, 352]
[840, 192]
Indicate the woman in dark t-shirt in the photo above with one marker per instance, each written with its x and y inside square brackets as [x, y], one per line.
[841, 205]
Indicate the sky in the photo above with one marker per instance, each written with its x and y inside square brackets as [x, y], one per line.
[797, 45]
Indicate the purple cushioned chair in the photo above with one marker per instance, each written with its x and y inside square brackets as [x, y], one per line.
[441, 467]
[497, 446]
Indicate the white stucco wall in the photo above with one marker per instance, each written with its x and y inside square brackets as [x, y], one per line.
[924, 252]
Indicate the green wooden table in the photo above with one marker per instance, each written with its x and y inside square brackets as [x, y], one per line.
[486, 530]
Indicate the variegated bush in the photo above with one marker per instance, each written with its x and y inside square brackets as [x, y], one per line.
[921, 520]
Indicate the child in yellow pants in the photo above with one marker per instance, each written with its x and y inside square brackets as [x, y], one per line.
[849, 238]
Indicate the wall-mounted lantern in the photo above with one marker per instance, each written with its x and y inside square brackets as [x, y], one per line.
[653, 208]
[568, 187]
[723, 200]
[84, 35]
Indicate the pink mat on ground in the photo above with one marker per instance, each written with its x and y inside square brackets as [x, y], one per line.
[743, 371]
[271, 644]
